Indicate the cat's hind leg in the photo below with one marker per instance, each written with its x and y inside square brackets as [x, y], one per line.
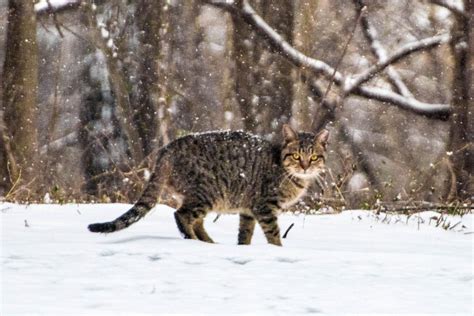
[184, 221]
[200, 232]
[187, 216]
[246, 228]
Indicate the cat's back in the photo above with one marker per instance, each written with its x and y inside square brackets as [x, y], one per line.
[223, 164]
[223, 143]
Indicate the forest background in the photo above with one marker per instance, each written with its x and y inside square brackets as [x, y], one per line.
[91, 89]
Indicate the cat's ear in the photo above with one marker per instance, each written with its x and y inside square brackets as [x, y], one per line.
[289, 134]
[322, 138]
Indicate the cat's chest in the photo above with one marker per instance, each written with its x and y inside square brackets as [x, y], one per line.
[291, 192]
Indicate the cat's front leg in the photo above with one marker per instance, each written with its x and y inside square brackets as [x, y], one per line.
[266, 215]
[246, 228]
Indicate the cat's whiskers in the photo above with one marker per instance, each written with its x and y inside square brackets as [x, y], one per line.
[322, 184]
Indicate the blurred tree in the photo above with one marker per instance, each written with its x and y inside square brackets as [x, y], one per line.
[20, 81]
[150, 88]
[460, 146]
[187, 74]
[264, 84]
[111, 44]
[304, 101]
[152, 71]
[355, 80]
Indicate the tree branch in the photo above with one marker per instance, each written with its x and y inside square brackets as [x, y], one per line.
[400, 53]
[117, 82]
[248, 14]
[327, 112]
[70, 139]
[380, 53]
[277, 42]
[438, 111]
[51, 7]
[451, 7]
[55, 18]
[351, 36]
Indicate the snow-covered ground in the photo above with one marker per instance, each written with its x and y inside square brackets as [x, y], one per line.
[330, 264]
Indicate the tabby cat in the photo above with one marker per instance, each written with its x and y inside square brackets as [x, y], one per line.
[229, 172]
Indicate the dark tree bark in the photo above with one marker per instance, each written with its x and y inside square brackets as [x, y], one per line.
[119, 86]
[245, 48]
[190, 89]
[150, 89]
[263, 77]
[460, 145]
[20, 81]
[470, 83]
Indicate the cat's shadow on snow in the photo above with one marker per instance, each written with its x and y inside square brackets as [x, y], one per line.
[139, 238]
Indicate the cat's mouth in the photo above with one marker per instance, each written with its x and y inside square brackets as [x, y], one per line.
[307, 175]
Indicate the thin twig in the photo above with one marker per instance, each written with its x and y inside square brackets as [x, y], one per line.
[17, 180]
[288, 230]
[55, 18]
[380, 53]
[344, 51]
[400, 53]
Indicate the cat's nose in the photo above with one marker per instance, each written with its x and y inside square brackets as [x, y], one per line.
[304, 164]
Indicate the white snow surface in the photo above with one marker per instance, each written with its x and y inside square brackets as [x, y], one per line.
[349, 263]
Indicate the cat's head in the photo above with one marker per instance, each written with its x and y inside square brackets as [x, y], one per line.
[303, 154]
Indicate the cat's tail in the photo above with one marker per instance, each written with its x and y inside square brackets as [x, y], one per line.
[146, 202]
[133, 215]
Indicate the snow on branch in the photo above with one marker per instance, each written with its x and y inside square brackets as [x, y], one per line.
[371, 34]
[400, 53]
[53, 6]
[439, 111]
[251, 17]
[456, 8]
[242, 9]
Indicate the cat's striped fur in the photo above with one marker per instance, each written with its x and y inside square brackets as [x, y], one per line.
[229, 172]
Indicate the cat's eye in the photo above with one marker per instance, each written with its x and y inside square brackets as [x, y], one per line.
[296, 156]
[315, 157]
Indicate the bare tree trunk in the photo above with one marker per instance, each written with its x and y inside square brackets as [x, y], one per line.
[460, 145]
[264, 85]
[20, 81]
[150, 88]
[231, 119]
[278, 96]
[7, 160]
[118, 84]
[305, 26]
[182, 58]
[244, 45]
[470, 84]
